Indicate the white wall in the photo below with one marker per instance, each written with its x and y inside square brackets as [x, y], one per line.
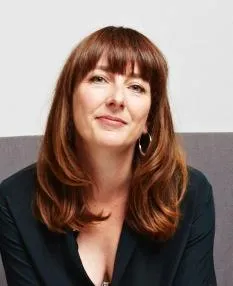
[196, 37]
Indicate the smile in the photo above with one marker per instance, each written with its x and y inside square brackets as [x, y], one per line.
[111, 121]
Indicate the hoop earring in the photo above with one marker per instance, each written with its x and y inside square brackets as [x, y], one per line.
[140, 146]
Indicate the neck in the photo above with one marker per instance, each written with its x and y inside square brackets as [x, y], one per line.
[111, 172]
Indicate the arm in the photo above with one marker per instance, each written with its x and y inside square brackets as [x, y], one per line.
[197, 266]
[17, 264]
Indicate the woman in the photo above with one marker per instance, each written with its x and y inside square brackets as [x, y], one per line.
[110, 199]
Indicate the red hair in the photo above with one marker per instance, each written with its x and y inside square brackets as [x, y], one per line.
[159, 178]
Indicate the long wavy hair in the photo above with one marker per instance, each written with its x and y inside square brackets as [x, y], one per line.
[159, 178]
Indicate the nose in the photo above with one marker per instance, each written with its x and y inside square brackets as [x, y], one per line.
[116, 100]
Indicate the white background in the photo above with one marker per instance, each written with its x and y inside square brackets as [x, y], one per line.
[195, 36]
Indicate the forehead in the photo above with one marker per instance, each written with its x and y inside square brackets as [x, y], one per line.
[129, 68]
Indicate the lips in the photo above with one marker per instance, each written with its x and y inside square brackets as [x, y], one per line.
[111, 118]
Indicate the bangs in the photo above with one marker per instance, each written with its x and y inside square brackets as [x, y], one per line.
[123, 48]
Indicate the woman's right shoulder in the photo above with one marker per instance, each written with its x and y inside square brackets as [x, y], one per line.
[21, 183]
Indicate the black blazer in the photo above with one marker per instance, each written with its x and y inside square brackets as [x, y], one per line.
[32, 255]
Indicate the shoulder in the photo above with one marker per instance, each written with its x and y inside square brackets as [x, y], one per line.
[19, 183]
[196, 177]
[198, 184]
[199, 190]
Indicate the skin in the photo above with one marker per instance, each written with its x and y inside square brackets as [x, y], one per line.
[106, 149]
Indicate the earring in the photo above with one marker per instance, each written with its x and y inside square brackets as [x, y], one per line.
[140, 146]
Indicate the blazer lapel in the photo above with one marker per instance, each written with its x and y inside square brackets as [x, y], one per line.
[126, 247]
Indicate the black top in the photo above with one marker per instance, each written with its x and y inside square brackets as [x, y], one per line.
[32, 255]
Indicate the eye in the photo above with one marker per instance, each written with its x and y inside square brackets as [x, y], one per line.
[97, 79]
[137, 88]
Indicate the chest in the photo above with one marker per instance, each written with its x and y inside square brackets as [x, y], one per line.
[97, 247]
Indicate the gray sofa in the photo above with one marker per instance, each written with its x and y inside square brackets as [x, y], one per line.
[212, 153]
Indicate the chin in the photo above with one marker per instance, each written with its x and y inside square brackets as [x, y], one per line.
[113, 141]
[110, 143]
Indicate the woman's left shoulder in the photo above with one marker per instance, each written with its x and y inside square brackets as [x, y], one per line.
[199, 188]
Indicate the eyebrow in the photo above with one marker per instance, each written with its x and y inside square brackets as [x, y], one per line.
[107, 69]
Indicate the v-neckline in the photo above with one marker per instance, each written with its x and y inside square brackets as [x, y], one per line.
[125, 248]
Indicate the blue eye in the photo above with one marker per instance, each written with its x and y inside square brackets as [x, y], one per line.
[137, 88]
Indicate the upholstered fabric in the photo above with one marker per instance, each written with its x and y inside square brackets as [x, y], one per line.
[212, 153]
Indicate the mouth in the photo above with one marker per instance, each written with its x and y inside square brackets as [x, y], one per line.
[111, 119]
[111, 122]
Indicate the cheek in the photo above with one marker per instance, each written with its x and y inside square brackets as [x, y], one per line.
[85, 103]
[139, 109]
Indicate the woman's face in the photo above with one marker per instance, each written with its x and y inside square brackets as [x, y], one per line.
[111, 110]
